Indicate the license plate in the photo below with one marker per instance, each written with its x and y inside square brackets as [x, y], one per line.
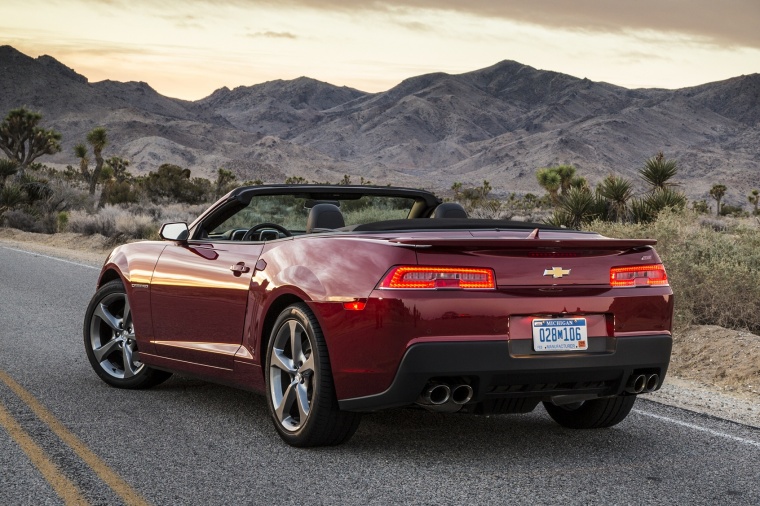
[560, 334]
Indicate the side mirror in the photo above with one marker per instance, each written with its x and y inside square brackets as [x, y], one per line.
[174, 232]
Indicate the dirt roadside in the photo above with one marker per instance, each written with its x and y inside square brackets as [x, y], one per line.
[713, 370]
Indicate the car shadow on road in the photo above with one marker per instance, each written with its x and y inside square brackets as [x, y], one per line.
[401, 431]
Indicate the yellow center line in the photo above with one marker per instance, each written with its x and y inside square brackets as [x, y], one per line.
[63, 486]
[129, 495]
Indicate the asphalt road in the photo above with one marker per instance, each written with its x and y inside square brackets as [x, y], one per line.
[65, 436]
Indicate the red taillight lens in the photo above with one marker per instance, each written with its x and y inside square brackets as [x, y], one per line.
[357, 305]
[439, 277]
[638, 275]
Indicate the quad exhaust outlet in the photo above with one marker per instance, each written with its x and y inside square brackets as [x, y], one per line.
[445, 398]
[435, 394]
[639, 383]
[461, 394]
[652, 381]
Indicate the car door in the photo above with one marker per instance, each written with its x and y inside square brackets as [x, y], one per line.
[199, 296]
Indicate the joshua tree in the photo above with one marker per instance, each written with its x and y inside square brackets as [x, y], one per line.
[566, 175]
[80, 151]
[97, 138]
[618, 191]
[119, 167]
[224, 179]
[9, 167]
[551, 182]
[579, 182]
[754, 198]
[23, 141]
[485, 189]
[658, 171]
[457, 187]
[717, 192]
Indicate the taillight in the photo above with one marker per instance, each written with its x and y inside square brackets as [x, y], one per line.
[416, 277]
[638, 275]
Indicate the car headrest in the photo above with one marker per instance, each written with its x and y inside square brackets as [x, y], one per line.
[324, 216]
[449, 210]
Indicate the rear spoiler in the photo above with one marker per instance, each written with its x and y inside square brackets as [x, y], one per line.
[499, 243]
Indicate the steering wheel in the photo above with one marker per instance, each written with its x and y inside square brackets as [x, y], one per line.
[248, 235]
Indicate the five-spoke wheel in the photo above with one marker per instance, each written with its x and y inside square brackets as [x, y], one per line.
[291, 373]
[300, 388]
[109, 339]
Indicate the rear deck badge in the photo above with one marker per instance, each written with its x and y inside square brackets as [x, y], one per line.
[556, 272]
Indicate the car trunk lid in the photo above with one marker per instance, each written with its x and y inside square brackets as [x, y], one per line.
[559, 258]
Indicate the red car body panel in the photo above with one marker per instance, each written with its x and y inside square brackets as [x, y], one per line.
[199, 304]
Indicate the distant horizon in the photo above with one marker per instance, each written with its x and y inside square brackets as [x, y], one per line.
[188, 50]
[231, 88]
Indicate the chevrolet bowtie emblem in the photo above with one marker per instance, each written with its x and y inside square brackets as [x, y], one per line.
[556, 272]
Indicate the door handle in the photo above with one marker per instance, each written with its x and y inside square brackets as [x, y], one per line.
[239, 268]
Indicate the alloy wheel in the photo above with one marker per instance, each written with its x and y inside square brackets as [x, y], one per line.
[292, 375]
[112, 337]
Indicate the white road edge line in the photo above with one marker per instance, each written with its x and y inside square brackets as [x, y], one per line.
[700, 428]
[49, 257]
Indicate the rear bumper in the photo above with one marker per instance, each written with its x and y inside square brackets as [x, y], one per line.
[504, 369]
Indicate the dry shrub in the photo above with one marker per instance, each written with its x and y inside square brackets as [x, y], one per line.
[27, 222]
[168, 212]
[365, 215]
[714, 270]
[114, 222]
[103, 222]
[136, 226]
[123, 223]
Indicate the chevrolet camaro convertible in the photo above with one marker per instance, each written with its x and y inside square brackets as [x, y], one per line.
[338, 300]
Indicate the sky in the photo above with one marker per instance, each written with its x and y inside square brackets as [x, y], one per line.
[189, 48]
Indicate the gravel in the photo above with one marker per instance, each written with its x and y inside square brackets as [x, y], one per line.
[709, 400]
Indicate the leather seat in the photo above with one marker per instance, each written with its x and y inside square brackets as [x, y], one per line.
[449, 210]
[324, 217]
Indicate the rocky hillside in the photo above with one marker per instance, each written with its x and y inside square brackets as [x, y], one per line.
[498, 123]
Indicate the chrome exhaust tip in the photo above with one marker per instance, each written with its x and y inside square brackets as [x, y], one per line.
[636, 384]
[435, 395]
[652, 382]
[461, 394]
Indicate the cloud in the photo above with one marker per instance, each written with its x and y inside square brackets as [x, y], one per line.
[416, 26]
[63, 49]
[724, 23]
[272, 35]
[186, 21]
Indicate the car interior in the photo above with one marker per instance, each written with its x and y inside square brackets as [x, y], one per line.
[271, 217]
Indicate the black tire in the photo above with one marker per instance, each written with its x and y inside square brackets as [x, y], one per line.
[109, 341]
[594, 414]
[300, 390]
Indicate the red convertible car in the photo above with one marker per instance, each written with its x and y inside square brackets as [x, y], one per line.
[338, 300]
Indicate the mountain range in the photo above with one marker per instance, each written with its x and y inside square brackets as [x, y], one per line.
[498, 124]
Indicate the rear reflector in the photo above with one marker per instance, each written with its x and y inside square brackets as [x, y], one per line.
[639, 275]
[356, 305]
[416, 277]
